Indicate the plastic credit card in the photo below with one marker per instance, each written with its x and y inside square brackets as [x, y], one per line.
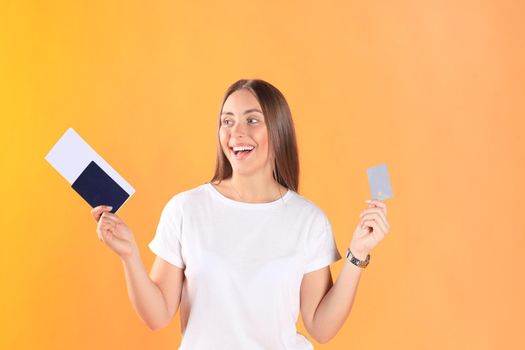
[379, 182]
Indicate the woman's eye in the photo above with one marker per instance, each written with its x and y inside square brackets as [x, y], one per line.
[226, 121]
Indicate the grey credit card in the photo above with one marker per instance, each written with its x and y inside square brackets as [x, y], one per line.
[379, 182]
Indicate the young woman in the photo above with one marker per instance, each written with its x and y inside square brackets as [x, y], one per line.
[243, 253]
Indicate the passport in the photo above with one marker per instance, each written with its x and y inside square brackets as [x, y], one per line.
[88, 173]
[98, 188]
[379, 182]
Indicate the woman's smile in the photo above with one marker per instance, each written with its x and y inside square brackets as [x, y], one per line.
[240, 155]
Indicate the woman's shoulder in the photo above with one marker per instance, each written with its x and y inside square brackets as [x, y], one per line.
[181, 197]
[304, 200]
[308, 206]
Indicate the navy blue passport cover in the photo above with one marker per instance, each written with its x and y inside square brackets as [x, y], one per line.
[98, 188]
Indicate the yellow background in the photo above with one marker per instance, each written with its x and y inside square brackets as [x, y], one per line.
[434, 89]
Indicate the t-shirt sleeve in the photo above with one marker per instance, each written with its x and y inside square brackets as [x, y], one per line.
[321, 247]
[167, 241]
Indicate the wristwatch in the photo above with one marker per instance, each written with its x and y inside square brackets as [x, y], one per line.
[359, 263]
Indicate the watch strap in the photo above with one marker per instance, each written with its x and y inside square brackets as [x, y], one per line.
[359, 263]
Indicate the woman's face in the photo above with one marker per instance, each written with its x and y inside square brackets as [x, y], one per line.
[243, 123]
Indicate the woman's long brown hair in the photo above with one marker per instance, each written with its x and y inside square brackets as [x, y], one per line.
[281, 133]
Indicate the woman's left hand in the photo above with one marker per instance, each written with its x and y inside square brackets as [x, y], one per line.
[371, 229]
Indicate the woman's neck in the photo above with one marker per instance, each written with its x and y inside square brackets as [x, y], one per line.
[251, 189]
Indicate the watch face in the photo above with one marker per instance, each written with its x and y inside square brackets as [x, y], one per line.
[355, 260]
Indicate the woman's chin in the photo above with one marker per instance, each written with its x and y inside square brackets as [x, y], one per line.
[242, 170]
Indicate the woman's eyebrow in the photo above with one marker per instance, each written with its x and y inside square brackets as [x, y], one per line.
[245, 112]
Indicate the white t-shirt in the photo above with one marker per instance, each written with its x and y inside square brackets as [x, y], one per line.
[244, 263]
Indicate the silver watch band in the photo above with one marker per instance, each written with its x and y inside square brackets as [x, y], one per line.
[359, 263]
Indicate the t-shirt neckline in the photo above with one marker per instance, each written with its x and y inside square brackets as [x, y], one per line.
[230, 201]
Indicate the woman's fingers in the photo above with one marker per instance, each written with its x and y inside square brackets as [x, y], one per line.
[119, 233]
[377, 232]
[102, 228]
[367, 219]
[373, 225]
[107, 218]
[109, 231]
[111, 217]
[372, 210]
[378, 212]
[377, 203]
[107, 228]
[112, 223]
[97, 211]
[113, 231]
[378, 219]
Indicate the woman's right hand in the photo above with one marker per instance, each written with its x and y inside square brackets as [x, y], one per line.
[114, 232]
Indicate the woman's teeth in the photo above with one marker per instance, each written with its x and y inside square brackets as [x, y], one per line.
[241, 154]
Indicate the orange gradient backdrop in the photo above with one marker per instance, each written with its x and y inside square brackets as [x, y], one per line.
[434, 89]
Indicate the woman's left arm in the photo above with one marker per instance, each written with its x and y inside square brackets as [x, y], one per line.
[325, 306]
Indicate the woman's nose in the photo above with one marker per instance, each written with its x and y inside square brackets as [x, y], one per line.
[238, 128]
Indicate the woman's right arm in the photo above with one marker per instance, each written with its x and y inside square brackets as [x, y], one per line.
[155, 297]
